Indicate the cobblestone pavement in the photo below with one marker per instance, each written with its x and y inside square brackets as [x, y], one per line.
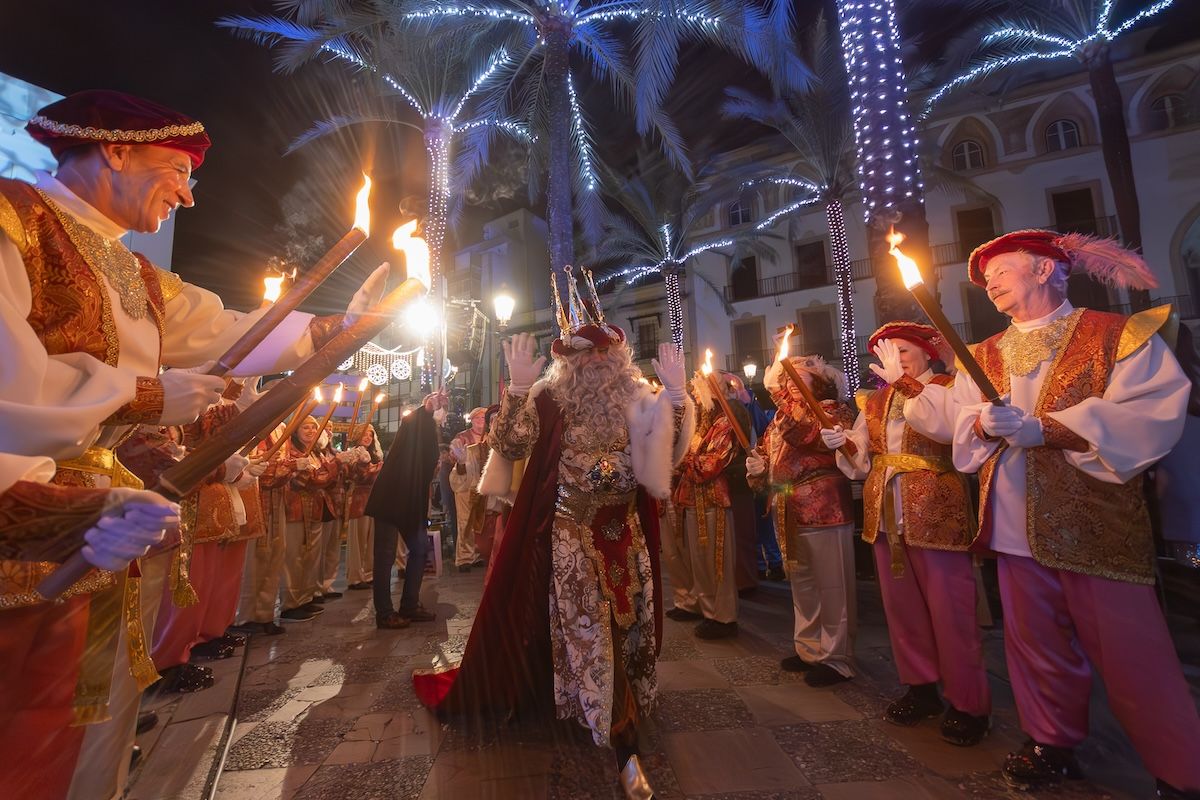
[327, 712]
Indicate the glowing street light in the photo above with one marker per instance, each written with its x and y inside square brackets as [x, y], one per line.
[504, 304]
[750, 369]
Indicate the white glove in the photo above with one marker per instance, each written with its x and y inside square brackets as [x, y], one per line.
[249, 394]
[1000, 420]
[187, 392]
[368, 295]
[346, 457]
[175, 450]
[256, 467]
[669, 369]
[304, 465]
[134, 522]
[755, 465]
[234, 466]
[1029, 434]
[833, 437]
[363, 454]
[524, 364]
[888, 369]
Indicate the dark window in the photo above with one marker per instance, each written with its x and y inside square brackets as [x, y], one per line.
[748, 342]
[740, 214]
[967, 154]
[744, 279]
[1062, 134]
[984, 318]
[975, 226]
[646, 334]
[1074, 211]
[811, 269]
[817, 329]
[1169, 111]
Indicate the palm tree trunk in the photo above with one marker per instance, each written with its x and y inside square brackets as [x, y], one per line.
[843, 280]
[558, 184]
[674, 307]
[437, 146]
[1118, 160]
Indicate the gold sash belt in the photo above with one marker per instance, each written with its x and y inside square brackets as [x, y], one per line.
[901, 463]
[108, 610]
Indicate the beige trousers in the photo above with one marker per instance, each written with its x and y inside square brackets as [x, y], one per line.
[465, 551]
[360, 555]
[715, 594]
[103, 766]
[300, 562]
[677, 563]
[331, 556]
[264, 568]
[820, 567]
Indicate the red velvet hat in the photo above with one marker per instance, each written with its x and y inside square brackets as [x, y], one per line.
[589, 337]
[925, 337]
[1034, 241]
[102, 115]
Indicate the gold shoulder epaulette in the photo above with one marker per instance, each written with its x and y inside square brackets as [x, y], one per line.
[172, 284]
[1140, 327]
[861, 397]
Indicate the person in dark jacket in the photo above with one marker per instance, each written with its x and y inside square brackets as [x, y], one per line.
[407, 472]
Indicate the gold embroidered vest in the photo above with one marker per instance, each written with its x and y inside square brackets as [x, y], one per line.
[70, 313]
[1073, 521]
[935, 506]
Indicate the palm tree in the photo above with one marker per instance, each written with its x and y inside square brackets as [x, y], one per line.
[817, 126]
[651, 227]
[542, 36]
[1027, 30]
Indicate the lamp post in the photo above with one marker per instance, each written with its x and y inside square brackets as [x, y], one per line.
[503, 305]
[749, 369]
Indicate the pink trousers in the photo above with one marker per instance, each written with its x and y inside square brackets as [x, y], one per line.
[931, 623]
[1058, 624]
[40, 651]
[216, 575]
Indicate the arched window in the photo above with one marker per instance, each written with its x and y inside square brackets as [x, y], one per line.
[740, 214]
[967, 154]
[1062, 134]
[1169, 111]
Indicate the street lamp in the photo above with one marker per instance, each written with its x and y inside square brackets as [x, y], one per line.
[750, 369]
[503, 304]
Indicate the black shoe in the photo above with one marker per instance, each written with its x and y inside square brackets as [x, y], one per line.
[749, 591]
[1037, 765]
[135, 755]
[822, 675]
[272, 629]
[146, 722]
[920, 702]
[1169, 792]
[392, 621]
[418, 614]
[464, 568]
[776, 574]
[318, 599]
[213, 650]
[359, 586]
[299, 614]
[682, 615]
[247, 628]
[234, 639]
[795, 664]
[711, 629]
[479, 562]
[314, 607]
[185, 679]
[964, 730]
[330, 596]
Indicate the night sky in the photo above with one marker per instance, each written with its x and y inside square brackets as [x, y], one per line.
[173, 53]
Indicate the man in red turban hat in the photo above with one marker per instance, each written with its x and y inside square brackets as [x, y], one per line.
[86, 327]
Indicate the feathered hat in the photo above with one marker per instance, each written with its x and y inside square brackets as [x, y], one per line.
[581, 325]
[1103, 260]
[923, 336]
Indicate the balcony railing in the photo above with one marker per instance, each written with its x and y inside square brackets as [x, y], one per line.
[795, 282]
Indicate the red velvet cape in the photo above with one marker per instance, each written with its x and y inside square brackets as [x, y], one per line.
[507, 664]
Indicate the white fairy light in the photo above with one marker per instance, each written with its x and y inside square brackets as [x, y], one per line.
[581, 136]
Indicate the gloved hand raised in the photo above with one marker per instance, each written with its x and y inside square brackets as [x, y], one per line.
[669, 369]
[888, 369]
[524, 363]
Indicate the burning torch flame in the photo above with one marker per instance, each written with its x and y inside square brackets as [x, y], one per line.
[706, 367]
[317, 394]
[337, 394]
[362, 206]
[362, 385]
[416, 253]
[783, 344]
[272, 288]
[379, 398]
[910, 273]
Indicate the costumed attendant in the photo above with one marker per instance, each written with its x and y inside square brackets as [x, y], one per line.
[360, 529]
[813, 519]
[571, 611]
[1093, 399]
[463, 483]
[82, 364]
[329, 550]
[741, 496]
[304, 505]
[264, 567]
[919, 522]
[704, 513]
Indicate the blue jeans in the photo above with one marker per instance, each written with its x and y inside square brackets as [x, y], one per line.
[386, 535]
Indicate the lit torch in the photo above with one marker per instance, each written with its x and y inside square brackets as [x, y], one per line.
[362, 392]
[810, 400]
[911, 275]
[707, 371]
[337, 398]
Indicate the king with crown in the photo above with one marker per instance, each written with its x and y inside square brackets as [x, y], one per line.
[570, 619]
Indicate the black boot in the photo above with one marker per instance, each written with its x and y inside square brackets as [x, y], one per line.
[920, 702]
[1037, 765]
[963, 729]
